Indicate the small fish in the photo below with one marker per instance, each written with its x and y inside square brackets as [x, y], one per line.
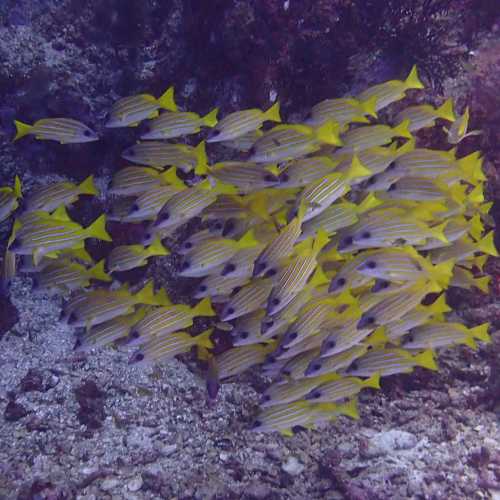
[246, 329]
[161, 154]
[130, 181]
[425, 115]
[242, 264]
[48, 198]
[185, 205]
[219, 287]
[391, 91]
[289, 142]
[162, 321]
[239, 359]
[343, 111]
[245, 142]
[335, 363]
[347, 276]
[339, 389]
[178, 123]
[7, 271]
[245, 176]
[208, 255]
[464, 278]
[158, 349]
[250, 298]
[236, 125]
[64, 275]
[390, 361]
[9, 199]
[293, 368]
[63, 130]
[300, 173]
[129, 111]
[458, 130]
[369, 136]
[50, 235]
[293, 277]
[443, 334]
[464, 248]
[125, 257]
[109, 331]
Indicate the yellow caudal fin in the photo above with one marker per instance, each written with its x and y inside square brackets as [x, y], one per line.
[476, 227]
[402, 130]
[88, 186]
[258, 206]
[464, 123]
[60, 213]
[329, 133]
[442, 273]
[426, 360]
[471, 166]
[162, 299]
[273, 113]
[438, 232]
[373, 381]
[247, 240]
[146, 295]
[369, 202]
[98, 229]
[487, 245]
[157, 248]
[369, 106]
[469, 341]
[210, 119]
[320, 241]
[318, 278]
[378, 337]
[166, 101]
[17, 187]
[97, 272]
[445, 111]
[439, 306]
[483, 283]
[476, 196]
[22, 129]
[203, 339]
[349, 409]
[481, 332]
[412, 81]
[201, 156]
[203, 308]
[357, 169]
[407, 147]
[170, 177]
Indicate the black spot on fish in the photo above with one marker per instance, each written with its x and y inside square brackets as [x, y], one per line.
[365, 321]
[276, 142]
[229, 268]
[315, 394]
[230, 310]
[371, 181]
[393, 186]
[134, 334]
[202, 288]
[257, 424]
[87, 133]
[391, 166]
[259, 267]
[371, 264]
[135, 207]
[162, 217]
[275, 301]
[186, 264]
[228, 227]
[292, 336]
[330, 344]
[270, 273]
[354, 365]
[266, 397]
[139, 356]
[346, 242]
[315, 367]
[188, 245]
[270, 178]
[218, 226]
[244, 335]
[366, 234]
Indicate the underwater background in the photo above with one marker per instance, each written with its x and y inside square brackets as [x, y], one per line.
[89, 425]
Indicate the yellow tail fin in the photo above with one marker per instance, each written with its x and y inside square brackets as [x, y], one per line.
[97, 272]
[17, 187]
[166, 101]
[247, 240]
[357, 169]
[210, 119]
[481, 332]
[320, 241]
[60, 213]
[370, 106]
[201, 156]
[373, 381]
[349, 409]
[88, 186]
[98, 229]
[318, 278]
[170, 177]
[438, 232]
[445, 111]
[203, 339]
[439, 306]
[426, 360]
[483, 283]
[370, 201]
[487, 245]
[402, 130]
[329, 133]
[273, 113]
[157, 248]
[203, 308]
[413, 81]
[22, 129]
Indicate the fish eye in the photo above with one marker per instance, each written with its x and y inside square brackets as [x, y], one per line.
[341, 282]
[135, 334]
[371, 264]
[188, 245]
[286, 372]
[275, 301]
[316, 367]
[316, 394]
[259, 267]
[257, 423]
[392, 187]
[410, 338]
[293, 335]
[270, 272]
[391, 166]
[202, 288]
[147, 236]
[266, 397]
[384, 284]
[228, 227]
[244, 335]
[365, 235]
[230, 310]
[134, 208]
[139, 356]
[229, 268]
[185, 264]
[331, 344]
[347, 241]
[370, 320]
[371, 181]
[354, 365]
[87, 133]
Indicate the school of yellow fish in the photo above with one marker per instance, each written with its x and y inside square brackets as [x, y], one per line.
[324, 248]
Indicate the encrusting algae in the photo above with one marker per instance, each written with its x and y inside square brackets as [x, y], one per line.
[324, 251]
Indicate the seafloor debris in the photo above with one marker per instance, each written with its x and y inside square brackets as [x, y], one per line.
[323, 249]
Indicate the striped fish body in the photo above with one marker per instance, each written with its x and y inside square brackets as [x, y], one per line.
[335, 363]
[63, 130]
[414, 188]
[63, 275]
[343, 338]
[219, 286]
[333, 218]
[296, 366]
[242, 263]
[8, 203]
[306, 344]
[149, 204]
[239, 359]
[426, 115]
[337, 390]
[284, 417]
[300, 173]
[426, 163]
[348, 277]
[243, 143]
[125, 257]
[246, 177]
[173, 124]
[250, 298]
[342, 111]
[246, 329]
[134, 181]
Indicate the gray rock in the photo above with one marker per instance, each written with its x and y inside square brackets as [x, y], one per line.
[388, 442]
[109, 483]
[135, 484]
[293, 467]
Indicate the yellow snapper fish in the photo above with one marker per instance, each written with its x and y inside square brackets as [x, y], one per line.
[246, 329]
[51, 235]
[343, 111]
[341, 388]
[394, 90]
[245, 142]
[369, 136]
[125, 257]
[464, 248]
[220, 288]
[463, 278]
[289, 142]
[242, 263]
[161, 154]
[250, 298]
[178, 123]
[395, 306]
[289, 369]
[425, 115]
[161, 321]
[48, 198]
[69, 276]
[293, 390]
[8, 268]
[63, 130]
[422, 189]
[301, 172]
[9, 199]
[284, 418]
[246, 177]
[390, 361]
[293, 277]
[437, 334]
[347, 276]
[97, 306]
[147, 206]
[129, 111]
[331, 364]
[238, 124]
[208, 255]
[158, 349]
[134, 181]
[458, 130]
[109, 331]
[240, 359]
